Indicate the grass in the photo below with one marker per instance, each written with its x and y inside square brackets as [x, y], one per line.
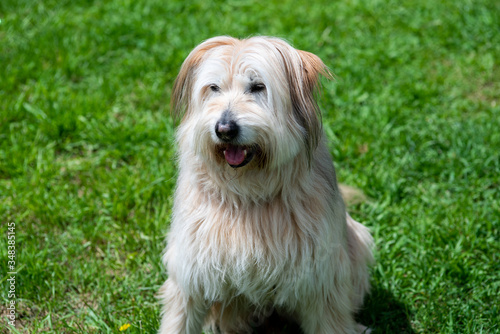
[86, 150]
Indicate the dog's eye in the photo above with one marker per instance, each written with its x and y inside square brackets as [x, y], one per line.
[214, 88]
[257, 88]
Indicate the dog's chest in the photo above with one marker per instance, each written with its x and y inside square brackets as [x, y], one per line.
[261, 255]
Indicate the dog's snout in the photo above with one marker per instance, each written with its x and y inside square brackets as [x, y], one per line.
[226, 129]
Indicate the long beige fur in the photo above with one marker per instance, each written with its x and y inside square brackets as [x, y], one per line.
[269, 235]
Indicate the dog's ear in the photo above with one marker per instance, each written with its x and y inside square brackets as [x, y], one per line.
[303, 70]
[183, 85]
[304, 87]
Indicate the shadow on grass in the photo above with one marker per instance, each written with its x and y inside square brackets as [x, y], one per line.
[382, 312]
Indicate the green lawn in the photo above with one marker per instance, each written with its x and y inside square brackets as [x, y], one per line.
[86, 150]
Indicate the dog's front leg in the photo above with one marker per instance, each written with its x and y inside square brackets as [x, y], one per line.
[181, 314]
[328, 316]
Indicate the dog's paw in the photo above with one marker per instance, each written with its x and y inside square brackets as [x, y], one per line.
[360, 329]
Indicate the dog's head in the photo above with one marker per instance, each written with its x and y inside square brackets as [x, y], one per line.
[248, 102]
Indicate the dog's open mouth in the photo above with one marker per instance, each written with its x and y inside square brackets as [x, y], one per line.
[238, 155]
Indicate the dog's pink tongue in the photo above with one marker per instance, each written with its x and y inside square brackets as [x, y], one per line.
[234, 155]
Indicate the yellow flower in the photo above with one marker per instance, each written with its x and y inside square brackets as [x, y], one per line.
[124, 327]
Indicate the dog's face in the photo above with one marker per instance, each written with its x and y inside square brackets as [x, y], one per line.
[248, 103]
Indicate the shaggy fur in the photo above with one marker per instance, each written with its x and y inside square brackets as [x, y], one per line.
[271, 234]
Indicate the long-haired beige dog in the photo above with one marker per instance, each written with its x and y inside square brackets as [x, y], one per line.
[259, 224]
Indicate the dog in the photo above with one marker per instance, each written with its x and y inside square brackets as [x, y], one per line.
[259, 226]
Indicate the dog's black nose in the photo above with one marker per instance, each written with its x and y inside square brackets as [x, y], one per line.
[226, 129]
